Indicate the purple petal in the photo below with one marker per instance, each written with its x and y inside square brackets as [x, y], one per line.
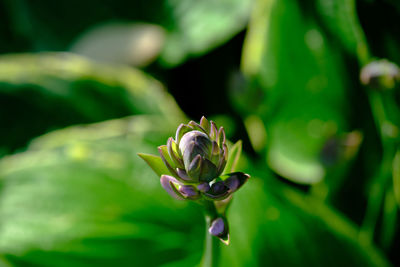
[189, 191]
[167, 183]
[236, 180]
[218, 191]
[204, 187]
[183, 174]
[217, 227]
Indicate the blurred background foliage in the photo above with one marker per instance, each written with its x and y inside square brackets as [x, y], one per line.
[85, 85]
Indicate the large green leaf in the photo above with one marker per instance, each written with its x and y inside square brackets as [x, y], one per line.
[340, 18]
[51, 90]
[297, 87]
[273, 225]
[193, 27]
[198, 26]
[81, 196]
[76, 198]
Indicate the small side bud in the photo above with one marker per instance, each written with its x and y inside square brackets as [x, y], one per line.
[381, 74]
[219, 228]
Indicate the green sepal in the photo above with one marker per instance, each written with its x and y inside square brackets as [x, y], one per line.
[155, 163]
[233, 158]
[205, 124]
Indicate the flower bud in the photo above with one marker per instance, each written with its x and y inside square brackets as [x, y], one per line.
[198, 153]
[380, 74]
[219, 228]
[194, 162]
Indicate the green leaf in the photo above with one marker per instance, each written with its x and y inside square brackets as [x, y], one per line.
[274, 225]
[99, 204]
[96, 200]
[156, 164]
[297, 87]
[340, 18]
[73, 90]
[123, 43]
[199, 26]
[233, 158]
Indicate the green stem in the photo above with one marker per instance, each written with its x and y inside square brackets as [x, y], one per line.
[211, 244]
[380, 181]
[211, 248]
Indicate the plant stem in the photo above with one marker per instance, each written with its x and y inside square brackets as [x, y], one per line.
[211, 248]
[211, 244]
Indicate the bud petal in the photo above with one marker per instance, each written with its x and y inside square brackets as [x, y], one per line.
[165, 158]
[236, 180]
[221, 136]
[167, 182]
[189, 192]
[197, 127]
[182, 129]
[205, 124]
[223, 159]
[215, 153]
[213, 131]
[172, 148]
[218, 191]
[217, 227]
[208, 171]
[183, 174]
[204, 187]
[194, 143]
[194, 168]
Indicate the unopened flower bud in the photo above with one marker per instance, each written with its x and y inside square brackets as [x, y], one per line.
[219, 228]
[380, 74]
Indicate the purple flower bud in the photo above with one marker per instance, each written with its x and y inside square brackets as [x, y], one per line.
[217, 227]
[194, 162]
[236, 180]
[198, 149]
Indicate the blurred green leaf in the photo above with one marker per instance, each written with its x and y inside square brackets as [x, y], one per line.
[340, 18]
[52, 90]
[296, 86]
[199, 26]
[99, 204]
[271, 224]
[90, 200]
[193, 27]
[136, 44]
